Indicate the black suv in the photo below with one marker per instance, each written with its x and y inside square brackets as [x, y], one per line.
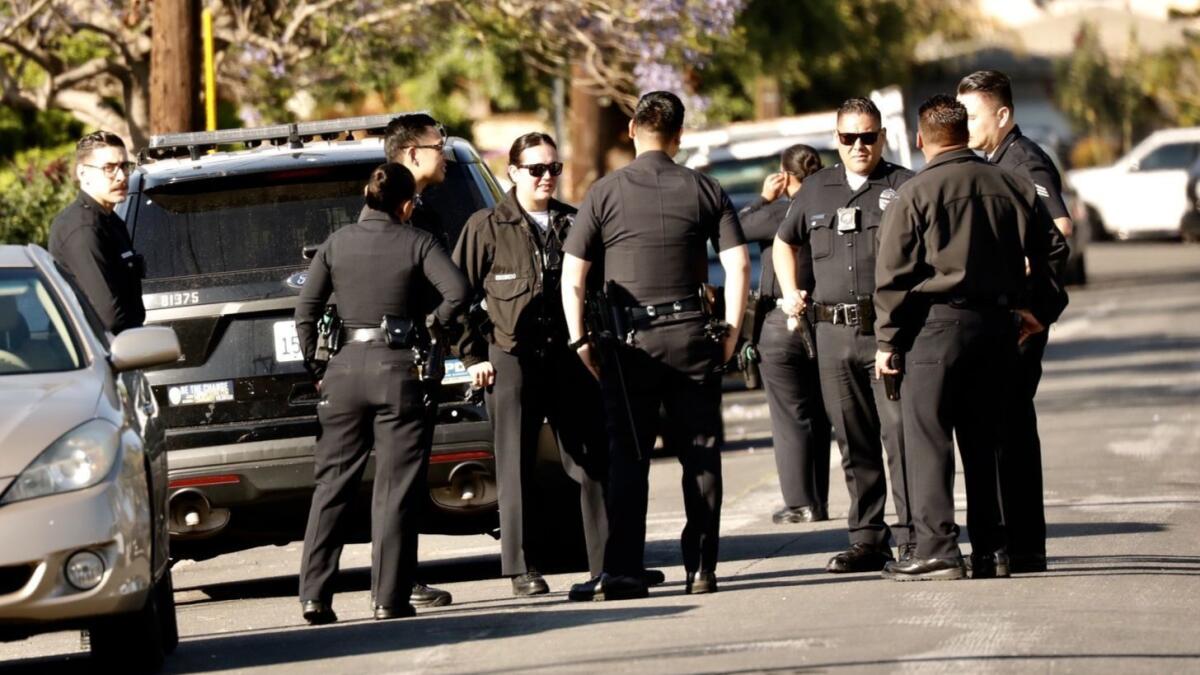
[224, 235]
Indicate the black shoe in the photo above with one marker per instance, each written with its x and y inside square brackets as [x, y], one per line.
[701, 582]
[653, 577]
[908, 551]
[530, 583]
[860, 557]
[317, 612]
[428, 596]
[1027, 563]
[399, 612]
[798, 514]
[609, 587]
[989, 566]
[926, 569]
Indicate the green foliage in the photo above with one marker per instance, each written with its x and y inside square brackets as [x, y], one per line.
[36, 187]
[21, 129]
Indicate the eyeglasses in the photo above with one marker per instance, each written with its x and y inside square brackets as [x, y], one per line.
[539, 170]
[867, 137]
[439, 146]
[110, 170]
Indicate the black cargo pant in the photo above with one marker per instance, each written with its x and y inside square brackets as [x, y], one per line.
[530, 390]
[370, 397]
[1021, 456]
[865, 422]
[671, 367]
[799, 425]
[955, 383]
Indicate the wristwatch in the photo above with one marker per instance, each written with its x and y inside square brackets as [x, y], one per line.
[576, 344]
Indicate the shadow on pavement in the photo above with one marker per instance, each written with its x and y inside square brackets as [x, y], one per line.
[1088, 347]
[1064, 530]
[1028, 660]
[1135, 564]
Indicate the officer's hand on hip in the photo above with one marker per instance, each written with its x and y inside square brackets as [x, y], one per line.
[883, 364]
[773, 186]
[795, 302]
[483, 375]
[1029, 325]
[589, 359]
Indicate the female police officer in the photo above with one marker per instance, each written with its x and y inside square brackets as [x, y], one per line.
[370, 394]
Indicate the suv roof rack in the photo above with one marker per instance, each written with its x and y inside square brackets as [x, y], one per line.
[196, 143]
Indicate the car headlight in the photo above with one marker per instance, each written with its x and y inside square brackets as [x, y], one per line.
[79, 459]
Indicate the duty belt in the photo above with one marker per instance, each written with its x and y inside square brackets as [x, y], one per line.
[362, 334]
[847, 314]
[643, 312]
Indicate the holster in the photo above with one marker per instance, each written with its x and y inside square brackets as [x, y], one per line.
[329, 335]
[398, 332]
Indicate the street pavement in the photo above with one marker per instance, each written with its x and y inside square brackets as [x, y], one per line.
[1120, 420]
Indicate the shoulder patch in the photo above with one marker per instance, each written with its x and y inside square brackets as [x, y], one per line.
[886, 198]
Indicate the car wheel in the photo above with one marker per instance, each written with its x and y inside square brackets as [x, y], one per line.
[1095, 229]
[138, 642]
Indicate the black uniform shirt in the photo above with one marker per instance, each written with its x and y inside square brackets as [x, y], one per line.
[843, 262]
[377, 267]
[961, 229]
[760, 223]
[650, 222]
[1019, 154]
[94, 247]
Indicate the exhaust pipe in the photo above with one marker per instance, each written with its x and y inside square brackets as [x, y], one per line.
[190, 514]
[470, 485]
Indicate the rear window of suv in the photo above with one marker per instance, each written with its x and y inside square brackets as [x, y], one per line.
[258, 221]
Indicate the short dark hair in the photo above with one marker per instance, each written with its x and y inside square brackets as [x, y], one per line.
[800, 160]
[405, 131]
[943, 120]
[660, 113]
[96, 139]
[389, 186]
[861, 106]
[529, 140]
[991, 83]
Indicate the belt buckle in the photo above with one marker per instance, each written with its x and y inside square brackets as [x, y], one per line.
[851, 315]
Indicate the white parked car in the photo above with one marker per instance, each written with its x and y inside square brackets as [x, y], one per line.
[1143, 194]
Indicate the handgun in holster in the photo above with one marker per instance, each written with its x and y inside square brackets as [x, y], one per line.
[329, 336]
[429, 352]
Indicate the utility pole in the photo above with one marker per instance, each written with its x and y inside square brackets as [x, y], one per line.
[174, 65]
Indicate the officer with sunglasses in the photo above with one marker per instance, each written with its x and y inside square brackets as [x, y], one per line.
[418, 142]
[90, 241]
[836, 215]
[512, 256]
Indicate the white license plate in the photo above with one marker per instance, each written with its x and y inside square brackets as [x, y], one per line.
[456, 373]
[287, 343]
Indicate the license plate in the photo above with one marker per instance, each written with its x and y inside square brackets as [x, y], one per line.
[456, 373]
[287, 343]
[200, 393]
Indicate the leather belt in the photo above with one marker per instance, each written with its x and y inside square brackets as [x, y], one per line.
[846, 314]
[362, 334]
[643, 312]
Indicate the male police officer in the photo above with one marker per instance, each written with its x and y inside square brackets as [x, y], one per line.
[836, 215]
[417, 141]
[649, 222]
[91, 242]
[987, 96]
[949, 275]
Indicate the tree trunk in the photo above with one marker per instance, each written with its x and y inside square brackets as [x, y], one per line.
[598, 140]
[174, 65]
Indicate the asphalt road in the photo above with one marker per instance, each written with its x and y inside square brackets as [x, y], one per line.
[1120, 411]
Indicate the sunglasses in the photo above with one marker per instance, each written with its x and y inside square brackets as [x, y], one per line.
[539, 170]
[867, 137]
[110, 170]
[431, 146]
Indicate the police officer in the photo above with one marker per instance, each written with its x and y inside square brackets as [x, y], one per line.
[950, 274]
[418, 142]
[370, 395]
[836, 215]
[91, 242]
[512, 256]
[987, 95]
[648, 224]
[798, 421]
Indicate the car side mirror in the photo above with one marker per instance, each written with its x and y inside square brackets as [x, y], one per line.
[310, 251]
[144, 347]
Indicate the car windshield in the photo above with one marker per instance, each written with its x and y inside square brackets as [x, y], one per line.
[261, 221]
[35, 336]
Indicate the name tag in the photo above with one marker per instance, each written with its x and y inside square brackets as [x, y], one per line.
[504, 277]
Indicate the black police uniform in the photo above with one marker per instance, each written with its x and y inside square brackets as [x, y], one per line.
[951, 267]
[649, 223]
[799, 424]
[1021, 449]
[844, 270]
[94, 247]
[371, 397]
[517, 269]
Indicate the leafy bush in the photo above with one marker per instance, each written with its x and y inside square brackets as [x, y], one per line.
[34, 193]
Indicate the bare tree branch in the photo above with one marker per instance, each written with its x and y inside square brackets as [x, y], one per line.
[21, 20]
